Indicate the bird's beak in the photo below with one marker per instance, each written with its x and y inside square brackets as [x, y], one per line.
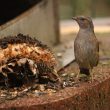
[74, 18]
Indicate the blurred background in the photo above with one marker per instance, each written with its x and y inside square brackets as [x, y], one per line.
[50, 21]
[94, 8]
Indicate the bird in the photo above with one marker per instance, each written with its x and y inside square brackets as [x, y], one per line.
[86, 46]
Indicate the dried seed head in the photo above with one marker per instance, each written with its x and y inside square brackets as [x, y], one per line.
[23, 58]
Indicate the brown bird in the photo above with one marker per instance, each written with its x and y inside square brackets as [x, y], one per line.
[86, 46]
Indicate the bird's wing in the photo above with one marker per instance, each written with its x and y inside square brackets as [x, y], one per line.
[93, 51]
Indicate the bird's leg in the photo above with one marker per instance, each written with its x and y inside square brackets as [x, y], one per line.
[92, 75]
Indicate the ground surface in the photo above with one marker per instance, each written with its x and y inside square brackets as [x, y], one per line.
[69, 78]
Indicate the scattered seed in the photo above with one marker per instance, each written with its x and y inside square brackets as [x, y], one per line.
[42, 87]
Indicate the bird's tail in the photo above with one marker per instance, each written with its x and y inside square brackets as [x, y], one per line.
[84, 71]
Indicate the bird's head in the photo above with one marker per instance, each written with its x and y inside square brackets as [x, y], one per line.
[84, 22]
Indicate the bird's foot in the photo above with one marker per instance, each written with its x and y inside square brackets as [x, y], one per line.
[92, 78]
